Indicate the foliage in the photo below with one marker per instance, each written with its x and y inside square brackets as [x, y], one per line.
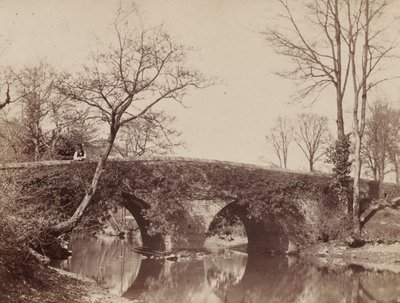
[339, 155]
[11, 245]
[22, 278]
[44, 197]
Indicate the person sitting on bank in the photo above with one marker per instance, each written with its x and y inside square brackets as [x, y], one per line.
[80, 154]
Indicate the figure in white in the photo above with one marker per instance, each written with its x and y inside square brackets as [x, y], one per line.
[80, 153]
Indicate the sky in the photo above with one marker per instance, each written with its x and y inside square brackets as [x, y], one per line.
[227, 121]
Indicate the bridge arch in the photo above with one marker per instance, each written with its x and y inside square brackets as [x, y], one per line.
[136, 207]
[263, 235]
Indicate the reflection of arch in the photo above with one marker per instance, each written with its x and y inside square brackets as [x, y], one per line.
[149, 269]
[136, 206]
[260, 278]
[268, 278]
[225, 271]
[263, 235]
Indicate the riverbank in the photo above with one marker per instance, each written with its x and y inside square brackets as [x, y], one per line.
[92, 291]
[384, 257]
[50, 285]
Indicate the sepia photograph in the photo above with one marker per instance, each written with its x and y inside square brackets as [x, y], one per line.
[199, 151]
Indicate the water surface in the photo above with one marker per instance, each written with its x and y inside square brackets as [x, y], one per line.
[228, 276]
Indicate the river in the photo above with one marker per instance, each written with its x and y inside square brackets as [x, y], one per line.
[227, 276]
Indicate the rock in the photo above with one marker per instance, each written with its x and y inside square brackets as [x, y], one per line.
[354, 241]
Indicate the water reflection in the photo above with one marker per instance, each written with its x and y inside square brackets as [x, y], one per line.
[108, 260]
[226, 277]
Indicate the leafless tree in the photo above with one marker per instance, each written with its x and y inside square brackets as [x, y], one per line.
[311, 135]
[7, 99]
[143, 68]
[39, 102]
[316, 50]
[151, 135]
[381, 142]
[280, 137]
[376, 141]
[342, 37]
[8, 88]
[366, 52]
[11, 139]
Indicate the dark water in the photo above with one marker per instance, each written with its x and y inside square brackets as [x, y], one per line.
[226, 277]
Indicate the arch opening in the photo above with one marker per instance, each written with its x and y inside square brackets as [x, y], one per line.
[266, 235]
[136, 206]
[227, 229]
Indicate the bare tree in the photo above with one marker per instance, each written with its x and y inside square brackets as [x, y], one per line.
[311, 135]
[362, 17]
[280, 137]
[315, 50]
[39, 102]
[151, 135]
[376, 141]
[124, 83]
[7, 99]
[12, 139]
[8, 88]
[315, 46]
[340, 29]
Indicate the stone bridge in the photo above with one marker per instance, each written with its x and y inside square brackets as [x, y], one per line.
[178, 198]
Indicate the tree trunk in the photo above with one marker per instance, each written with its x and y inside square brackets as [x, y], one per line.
[284, 160]
[37, 150]
[356, 184]
[338, 63]
[359, 128]
[339, 121]
[375, 174]
[71, 223]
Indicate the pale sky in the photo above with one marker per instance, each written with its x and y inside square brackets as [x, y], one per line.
[228, 121]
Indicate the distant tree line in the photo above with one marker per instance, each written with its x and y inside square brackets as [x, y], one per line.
[381, 144]
[380, 152]
[310, 133]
